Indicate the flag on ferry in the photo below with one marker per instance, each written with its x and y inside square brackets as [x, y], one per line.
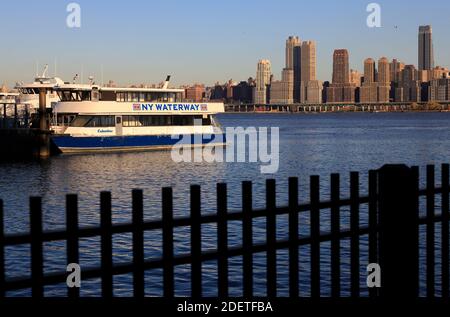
[136, 107]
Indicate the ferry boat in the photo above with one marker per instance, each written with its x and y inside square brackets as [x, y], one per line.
[90, 118]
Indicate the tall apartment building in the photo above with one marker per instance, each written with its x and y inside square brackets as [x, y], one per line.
[341, 90]
[263, 76]
[293, 61]
[310, 87]
[369, 88]
[426, 51]
[384, 80]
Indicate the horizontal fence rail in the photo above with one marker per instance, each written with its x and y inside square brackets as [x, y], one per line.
[392, 229]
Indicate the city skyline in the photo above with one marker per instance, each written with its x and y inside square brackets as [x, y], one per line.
[130, 47]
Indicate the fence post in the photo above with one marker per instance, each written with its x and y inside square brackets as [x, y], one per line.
[72, 237]
[398, 236]
[2, 253]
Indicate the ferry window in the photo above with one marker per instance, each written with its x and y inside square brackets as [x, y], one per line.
[118, 120]
[80, 121]
[183, 120]
[101, 121]
[206, 121]
[134, 96]
[142, 97]
[130, 121]
[86, 95]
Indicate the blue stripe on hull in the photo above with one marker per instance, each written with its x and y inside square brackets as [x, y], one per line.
[127, 142]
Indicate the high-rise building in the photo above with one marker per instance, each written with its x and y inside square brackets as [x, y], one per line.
[341, 90]
[384, 80]
[341, 68]
[293, 61]
[263, 75]
[308, 61]
[310, 87]
[426, 52]
[291, 43]
[369, 88]
[384, 76]
[369, 71]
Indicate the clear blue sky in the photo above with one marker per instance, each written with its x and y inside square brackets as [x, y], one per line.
[206, 40]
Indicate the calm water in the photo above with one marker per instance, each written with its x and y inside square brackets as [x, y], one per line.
[309, 144]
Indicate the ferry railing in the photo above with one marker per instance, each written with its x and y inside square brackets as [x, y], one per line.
[393, 201]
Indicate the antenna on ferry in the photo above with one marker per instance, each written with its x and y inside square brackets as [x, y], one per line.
[44, 73]
[102, 74]
[166, 83]
[91, 80]
[75, 78]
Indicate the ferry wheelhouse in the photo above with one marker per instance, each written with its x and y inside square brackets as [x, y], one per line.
[29, 92]
[93, 118]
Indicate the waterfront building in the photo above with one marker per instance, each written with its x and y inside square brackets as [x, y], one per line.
[426, 52]
[263, 78]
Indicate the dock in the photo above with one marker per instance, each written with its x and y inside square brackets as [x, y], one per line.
[19, 137]
[339, 107]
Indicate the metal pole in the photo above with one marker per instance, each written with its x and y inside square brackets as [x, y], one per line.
[44, 140]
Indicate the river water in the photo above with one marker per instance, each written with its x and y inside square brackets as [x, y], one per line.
[313, 144]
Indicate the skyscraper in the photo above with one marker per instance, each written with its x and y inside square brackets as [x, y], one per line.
[293, 61]
[426, 54]
[341, 90]
[384, 80]
[308, 61]
[310, 87]
[369, 71]
[263, 74]
[291, 43]
[341, 69]
[369, 88]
